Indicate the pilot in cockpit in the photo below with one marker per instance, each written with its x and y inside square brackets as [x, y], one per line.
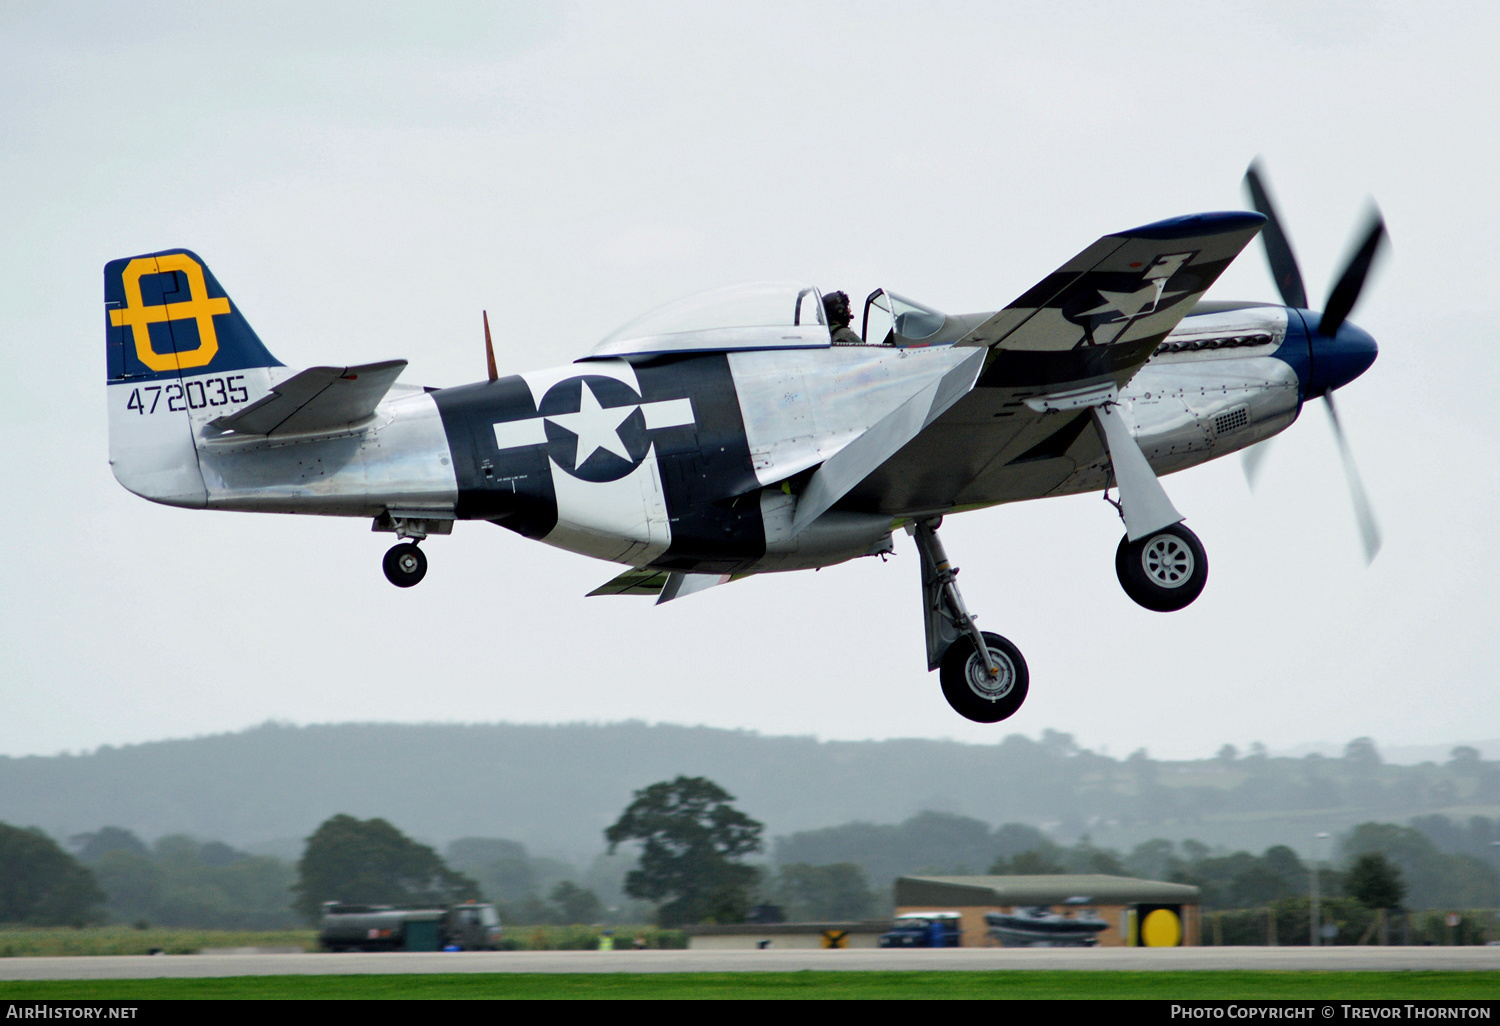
[836, 308]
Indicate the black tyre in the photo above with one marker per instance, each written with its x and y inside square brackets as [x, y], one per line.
[404, 565]
[1164, 571]
[968, 686]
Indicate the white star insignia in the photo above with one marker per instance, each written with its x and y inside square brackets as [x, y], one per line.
[1128, 304]
[596, 427]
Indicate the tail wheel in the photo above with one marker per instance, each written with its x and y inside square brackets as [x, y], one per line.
[1164, 571]
[404, 565]
[970, 689]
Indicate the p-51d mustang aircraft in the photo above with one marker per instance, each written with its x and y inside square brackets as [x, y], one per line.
[727, 434]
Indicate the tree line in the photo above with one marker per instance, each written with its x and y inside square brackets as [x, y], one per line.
[252, 786]
[1440, 861]
[683, 853]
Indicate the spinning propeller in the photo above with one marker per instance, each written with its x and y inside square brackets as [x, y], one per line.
[1326, 337]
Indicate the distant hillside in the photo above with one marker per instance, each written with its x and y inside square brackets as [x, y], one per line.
[555, 788]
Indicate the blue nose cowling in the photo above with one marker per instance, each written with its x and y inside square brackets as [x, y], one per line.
[1338, 360]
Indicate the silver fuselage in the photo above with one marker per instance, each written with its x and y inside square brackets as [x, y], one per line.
[1214, 386]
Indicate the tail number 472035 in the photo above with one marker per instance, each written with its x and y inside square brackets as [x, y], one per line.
[194, 395]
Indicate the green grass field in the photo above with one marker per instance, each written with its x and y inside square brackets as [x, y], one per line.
[20, 941]
[1206, 985]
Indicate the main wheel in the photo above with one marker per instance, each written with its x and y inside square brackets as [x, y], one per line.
[404, 565]
[968, 686]
[1163, 571]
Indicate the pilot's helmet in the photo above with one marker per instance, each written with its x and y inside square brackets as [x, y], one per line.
[836, 307]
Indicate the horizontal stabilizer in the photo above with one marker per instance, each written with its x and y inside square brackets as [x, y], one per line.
[1130, 287]
[317, 399]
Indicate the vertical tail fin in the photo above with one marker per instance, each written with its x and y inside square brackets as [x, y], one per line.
[178, 351]
[167, 316]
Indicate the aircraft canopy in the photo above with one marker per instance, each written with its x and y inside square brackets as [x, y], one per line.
[757, 315]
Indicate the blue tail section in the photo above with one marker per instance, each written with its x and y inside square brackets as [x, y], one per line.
[166, 315]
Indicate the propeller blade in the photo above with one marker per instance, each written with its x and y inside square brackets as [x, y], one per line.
[1278, 249]
[1369, 531]
[1345, 293]
[489, 349]
[1251, 460]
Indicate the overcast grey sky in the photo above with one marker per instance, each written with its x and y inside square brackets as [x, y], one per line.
[363, 178]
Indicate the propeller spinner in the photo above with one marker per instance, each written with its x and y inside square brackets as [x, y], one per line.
[1340, 352]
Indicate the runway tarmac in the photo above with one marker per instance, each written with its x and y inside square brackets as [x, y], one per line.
[124, 967]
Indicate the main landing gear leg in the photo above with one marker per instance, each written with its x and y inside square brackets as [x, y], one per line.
[1161, 564]
[984, 676]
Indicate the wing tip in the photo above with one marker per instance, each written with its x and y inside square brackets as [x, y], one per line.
[1213, 223]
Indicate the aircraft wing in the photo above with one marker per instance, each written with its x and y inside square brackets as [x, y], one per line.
[1131, 287]
[1086, 327]
[317, 399]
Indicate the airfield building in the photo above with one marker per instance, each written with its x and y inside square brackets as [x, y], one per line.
[1148, 913]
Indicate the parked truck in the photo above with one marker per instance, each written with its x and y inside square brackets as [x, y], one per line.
[924, 930]
[471, 926]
